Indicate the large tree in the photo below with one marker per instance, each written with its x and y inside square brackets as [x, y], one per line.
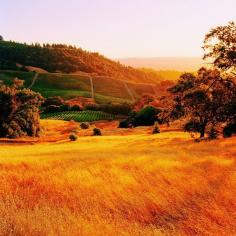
[19, 111]
[205, 99]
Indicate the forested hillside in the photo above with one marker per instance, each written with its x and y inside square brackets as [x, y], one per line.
[67, 59]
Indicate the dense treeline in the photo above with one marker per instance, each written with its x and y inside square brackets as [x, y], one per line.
[66, 59]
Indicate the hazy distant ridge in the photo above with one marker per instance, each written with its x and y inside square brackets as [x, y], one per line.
[165, 63]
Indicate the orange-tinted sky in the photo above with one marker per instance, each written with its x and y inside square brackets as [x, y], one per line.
[117, 28]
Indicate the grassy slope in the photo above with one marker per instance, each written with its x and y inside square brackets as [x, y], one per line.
[96, 186]
[69, 86]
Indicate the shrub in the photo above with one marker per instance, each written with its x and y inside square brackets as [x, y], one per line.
[146, 117]
[73, 137]
[156, 129]
[75, 108]
[92, 107]
[52, 108]
[64, 107]
[115, 109]
[56, 101]
[124, 124]
[97, 132]
[229, 130]
[84, 125]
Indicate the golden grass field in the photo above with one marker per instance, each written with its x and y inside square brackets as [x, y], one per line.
[118, 184]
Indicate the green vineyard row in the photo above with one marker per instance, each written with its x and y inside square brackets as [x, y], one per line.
[79, 116]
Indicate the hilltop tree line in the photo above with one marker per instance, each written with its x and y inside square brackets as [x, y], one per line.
[66, 59]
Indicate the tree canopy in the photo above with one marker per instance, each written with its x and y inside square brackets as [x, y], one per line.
[19, 111]
[220, 45]
[206, 100]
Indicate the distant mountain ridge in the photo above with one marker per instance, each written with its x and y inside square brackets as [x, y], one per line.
[164, 63]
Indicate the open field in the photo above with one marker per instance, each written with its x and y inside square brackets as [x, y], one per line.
[120, 184]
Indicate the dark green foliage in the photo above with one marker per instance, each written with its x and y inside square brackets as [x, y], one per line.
[192, 127]
[92, 107]
[115, 109]
[84, 125]
[1, 38]
[73, 137]
[75, 108]
[55, 101]
[146, 117]
[125, 124]
[51, 109]
[19, 112]
[97, 132]
[229, 130]
[65, 107]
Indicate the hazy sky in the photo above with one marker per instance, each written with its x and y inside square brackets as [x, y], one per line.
[117, 28]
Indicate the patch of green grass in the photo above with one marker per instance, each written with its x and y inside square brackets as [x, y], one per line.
[107, 90]
[66, 94]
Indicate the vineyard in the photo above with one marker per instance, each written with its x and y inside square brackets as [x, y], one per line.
[81, 116]
[105, 89]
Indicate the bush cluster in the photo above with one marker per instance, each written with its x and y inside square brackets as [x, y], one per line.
[115, 109]
[19, 112]
[97, 132]
[145, 117]
[229, 130]
[84, 125]
[57, 104]
[73, 137]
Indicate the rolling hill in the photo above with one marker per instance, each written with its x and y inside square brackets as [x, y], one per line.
[106, 89]
[67, 59]
[69, 72]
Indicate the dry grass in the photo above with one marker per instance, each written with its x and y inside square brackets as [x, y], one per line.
[137, 184]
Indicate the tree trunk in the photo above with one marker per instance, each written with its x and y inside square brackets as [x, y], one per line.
[202, 134]
[202, 131]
